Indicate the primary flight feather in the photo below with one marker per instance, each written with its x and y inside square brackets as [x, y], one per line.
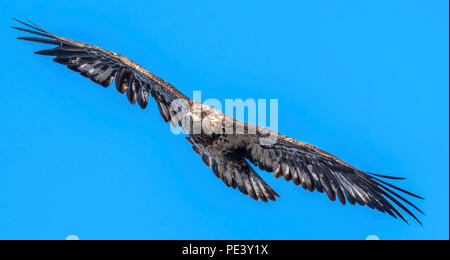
[228, 153]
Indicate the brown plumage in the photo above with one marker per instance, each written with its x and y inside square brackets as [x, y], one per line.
[228, 153]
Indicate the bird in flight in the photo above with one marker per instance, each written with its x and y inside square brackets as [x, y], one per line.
[228, 146]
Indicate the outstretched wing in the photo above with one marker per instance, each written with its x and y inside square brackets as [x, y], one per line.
[102, 67]
[315, 169]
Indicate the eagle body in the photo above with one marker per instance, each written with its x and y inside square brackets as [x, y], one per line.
[229, 147]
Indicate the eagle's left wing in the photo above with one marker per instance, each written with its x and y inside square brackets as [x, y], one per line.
[315, 169]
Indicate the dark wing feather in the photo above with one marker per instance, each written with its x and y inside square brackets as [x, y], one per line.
[103, 67]
[315, 169]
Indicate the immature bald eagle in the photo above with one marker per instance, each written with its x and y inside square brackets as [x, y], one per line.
[228, 153]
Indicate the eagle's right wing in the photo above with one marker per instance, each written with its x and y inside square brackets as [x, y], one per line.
[102, 67]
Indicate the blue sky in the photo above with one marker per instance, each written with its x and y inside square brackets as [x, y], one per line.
[364, 80]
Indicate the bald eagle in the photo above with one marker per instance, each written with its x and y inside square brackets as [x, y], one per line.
[229, 154]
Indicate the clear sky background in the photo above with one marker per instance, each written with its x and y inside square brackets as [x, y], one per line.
[364, 80]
